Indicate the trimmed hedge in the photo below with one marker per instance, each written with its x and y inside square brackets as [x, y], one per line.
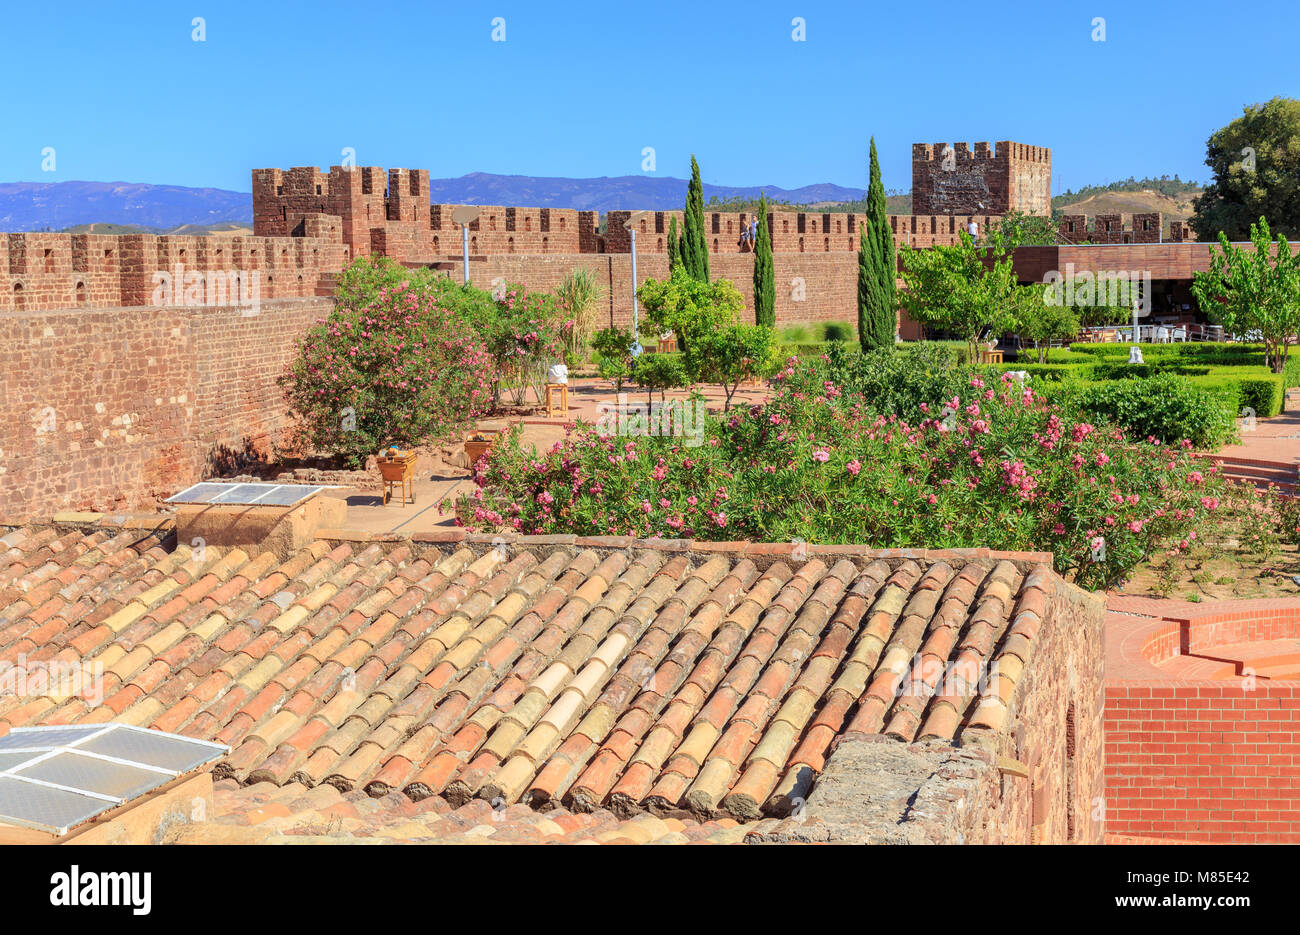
[1167, 407]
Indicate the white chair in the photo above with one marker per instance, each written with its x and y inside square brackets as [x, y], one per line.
[1162, 335]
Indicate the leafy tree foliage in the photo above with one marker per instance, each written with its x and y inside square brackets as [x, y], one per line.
[877, 266]
[764, 275]
[954, 289]
[695, 247]
[1256, 164]
[1254, 288]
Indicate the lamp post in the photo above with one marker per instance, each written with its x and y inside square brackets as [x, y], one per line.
[464, 216]
[632, 220]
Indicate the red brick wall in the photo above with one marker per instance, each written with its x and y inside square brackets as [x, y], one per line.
[1208, 761]
[45, 272]
[1197, 758]
[103, 409]
[827, 282]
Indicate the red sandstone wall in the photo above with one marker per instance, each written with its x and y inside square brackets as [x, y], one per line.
[810, 287]
[103, 409]
[1006, 177]
[792, 232]
[45, 272]
[1205, 761]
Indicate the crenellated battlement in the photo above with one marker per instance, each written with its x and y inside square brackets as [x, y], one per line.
[954, 179]
[1140, 227]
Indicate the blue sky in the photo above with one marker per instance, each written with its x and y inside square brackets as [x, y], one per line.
[122, 92]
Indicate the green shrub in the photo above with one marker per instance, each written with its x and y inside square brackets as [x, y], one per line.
[405, 367]
[1054, 373]
[1291, 372]
[1166, 407]
[802, 350]
[795, 334]
[837, 331]
[659, 372]
[1126, 371]
[613, 347]
[899, 381]
[1005, 471]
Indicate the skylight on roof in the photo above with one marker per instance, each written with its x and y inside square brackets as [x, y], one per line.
[55, 778]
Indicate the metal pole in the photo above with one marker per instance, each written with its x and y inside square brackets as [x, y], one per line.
[636, 341]
[464, 231]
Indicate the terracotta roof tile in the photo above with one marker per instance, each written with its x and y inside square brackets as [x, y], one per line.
[449, 687]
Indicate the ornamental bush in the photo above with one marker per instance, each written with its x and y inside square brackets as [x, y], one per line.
[992, 465]
[404, 368]
[1165, 407]
[526, 336]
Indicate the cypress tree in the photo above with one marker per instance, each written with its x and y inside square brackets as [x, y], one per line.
[877, 269]
[764, 276]
[674, 256]
[695, 249]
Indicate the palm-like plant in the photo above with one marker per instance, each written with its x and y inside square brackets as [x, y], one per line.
[580, 297]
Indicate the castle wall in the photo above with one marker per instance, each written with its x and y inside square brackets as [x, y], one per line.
[1140, 227]
[106, 409]
[951, 178]
[43, 272]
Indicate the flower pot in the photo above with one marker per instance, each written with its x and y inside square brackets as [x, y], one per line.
[478, 443]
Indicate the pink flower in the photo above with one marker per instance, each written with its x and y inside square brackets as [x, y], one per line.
[821, 455]
[721, 519]
[853, 467]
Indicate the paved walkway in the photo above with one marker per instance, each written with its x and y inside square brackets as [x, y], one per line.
[1275, 439]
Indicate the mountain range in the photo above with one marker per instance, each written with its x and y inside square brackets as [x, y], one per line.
[26, 206]
[127, 207]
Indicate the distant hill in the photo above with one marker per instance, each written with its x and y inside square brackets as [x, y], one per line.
[1174, 198]
[125, 207]
[623, 192]
[26, 206]
[199, 230]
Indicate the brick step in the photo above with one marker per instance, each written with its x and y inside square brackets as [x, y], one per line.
[1281, 474]
[1289, 488]
[326, 283]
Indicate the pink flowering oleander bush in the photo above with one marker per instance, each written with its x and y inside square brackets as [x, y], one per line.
[528, 335]
[404, 368]
[995, 465]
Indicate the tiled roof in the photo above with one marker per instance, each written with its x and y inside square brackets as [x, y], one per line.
[589, 674]
[291, 814]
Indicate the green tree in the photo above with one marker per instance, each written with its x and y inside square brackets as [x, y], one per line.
[952, 288]
[877, 293]
[687, 307]
[764, 274]
[674, 246]
[1024, 230]
[1254, 288]
[613, 347]
[1256, 164]
[579, 296]
[733, 354]
[1042, 319]
[660, 372]
[695, 248]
